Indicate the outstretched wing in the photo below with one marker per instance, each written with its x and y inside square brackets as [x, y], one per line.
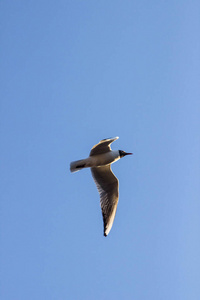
[108, 187]
[103, 146]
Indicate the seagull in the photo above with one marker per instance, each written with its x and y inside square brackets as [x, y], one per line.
[100, 158]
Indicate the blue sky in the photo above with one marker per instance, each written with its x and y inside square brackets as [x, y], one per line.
[73, 73]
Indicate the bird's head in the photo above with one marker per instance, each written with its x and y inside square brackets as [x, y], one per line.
[123, 153]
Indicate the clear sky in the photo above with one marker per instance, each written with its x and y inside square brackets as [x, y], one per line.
[73, 73]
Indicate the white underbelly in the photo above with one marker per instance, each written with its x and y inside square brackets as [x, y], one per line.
[103, 159]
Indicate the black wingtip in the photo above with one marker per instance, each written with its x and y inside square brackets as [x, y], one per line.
[80, 166]
[105, 234]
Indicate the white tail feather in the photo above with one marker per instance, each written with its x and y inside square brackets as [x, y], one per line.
[77, 165]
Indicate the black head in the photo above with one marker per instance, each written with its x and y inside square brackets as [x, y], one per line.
[123, 153]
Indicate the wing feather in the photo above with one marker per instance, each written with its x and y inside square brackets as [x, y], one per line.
[108, 187]
[103, 146]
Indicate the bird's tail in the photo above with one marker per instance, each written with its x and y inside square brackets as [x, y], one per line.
[78, 165]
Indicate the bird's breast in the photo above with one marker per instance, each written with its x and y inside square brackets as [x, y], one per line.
[104, 159]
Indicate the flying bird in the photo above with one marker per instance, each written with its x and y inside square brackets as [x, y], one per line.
[100, 158]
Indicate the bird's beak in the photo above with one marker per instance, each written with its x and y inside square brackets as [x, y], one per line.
[128, 153]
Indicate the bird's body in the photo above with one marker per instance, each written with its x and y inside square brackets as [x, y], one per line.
[100, 159]
[95, 161]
